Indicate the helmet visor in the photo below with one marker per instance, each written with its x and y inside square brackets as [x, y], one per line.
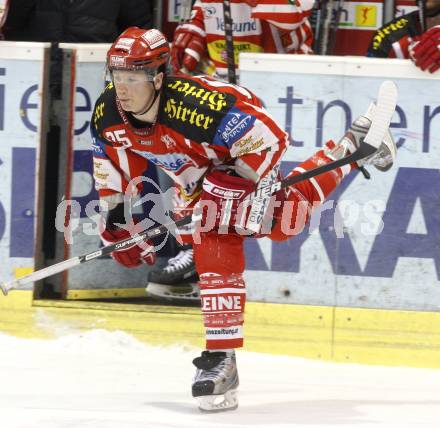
[130, 77]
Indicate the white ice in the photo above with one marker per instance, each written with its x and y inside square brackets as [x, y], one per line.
[105, 379]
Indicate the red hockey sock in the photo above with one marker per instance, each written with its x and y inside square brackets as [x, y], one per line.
[299, 200]
[317, 189]
[223, 299]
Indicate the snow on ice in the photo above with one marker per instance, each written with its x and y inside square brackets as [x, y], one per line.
[103, 379]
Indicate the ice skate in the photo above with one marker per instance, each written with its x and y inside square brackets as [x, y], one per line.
[216, 381]
[382, 159]
[177, 281]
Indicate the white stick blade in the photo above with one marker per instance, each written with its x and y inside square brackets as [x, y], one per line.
[382, 114]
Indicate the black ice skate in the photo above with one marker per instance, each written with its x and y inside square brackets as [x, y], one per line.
[216, 381]
[384, 156]
[177, 281]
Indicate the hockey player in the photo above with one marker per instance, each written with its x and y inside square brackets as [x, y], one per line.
[218, 143]
[263, 26]
[415, 35]
[258, 26]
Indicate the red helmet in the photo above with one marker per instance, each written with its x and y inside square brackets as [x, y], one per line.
[138, 49]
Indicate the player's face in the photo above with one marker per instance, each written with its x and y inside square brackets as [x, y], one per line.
[133, 88]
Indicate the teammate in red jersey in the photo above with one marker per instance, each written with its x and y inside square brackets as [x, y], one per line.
[415, 36]
[218, 144]
[269, 26]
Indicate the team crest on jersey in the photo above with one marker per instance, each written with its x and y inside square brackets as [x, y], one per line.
[169, 141]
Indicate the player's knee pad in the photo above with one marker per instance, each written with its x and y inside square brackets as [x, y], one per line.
[223, 299]
[218, 253]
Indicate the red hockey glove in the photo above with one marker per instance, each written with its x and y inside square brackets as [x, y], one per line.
[189, 45]
[222, 200]
[426, 52]
[133, 255]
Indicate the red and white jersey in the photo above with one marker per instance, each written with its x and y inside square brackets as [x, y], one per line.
[201, 123]
[273, 26]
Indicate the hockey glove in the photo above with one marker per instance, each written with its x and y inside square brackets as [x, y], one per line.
[189, 45]
[426, 52]
[222, 200]
[133, 255]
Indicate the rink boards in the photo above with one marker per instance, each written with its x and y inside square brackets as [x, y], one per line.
[355, 335]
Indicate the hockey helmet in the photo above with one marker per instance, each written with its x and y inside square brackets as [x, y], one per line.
[138, 49]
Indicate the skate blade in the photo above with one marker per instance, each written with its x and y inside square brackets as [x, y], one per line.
[220, 402]
[183, 292]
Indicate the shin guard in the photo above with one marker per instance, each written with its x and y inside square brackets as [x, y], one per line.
[223, 299]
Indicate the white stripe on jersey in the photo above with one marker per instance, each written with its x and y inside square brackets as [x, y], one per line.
[210, 153]
[277, 39]
[288, 26]
[268, 161]
[219, 291]
[314, 182]
[279, 9]
[221, 84]
[398, 50]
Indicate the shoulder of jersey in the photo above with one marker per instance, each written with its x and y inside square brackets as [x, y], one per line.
[400, 22]
[188, 85]
[106, 112]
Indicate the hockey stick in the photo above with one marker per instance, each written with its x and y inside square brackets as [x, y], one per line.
[230, 58]
[326, 19]
[334, 26]
[385, 106]
[422, 14]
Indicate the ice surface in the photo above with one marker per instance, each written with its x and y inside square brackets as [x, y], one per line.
[103, 379]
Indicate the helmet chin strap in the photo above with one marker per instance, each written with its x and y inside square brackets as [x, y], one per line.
[147, 109]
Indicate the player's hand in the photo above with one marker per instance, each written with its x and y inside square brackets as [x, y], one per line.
[222, 201]
[425, 53]
[189, 46]
[132, 255]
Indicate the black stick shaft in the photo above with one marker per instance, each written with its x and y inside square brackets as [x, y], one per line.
[422, 14]
[230, 59]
